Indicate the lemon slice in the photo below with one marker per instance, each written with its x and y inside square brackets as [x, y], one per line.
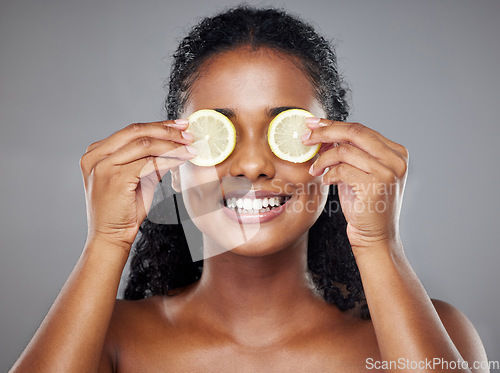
[214, 137]
[284, 135]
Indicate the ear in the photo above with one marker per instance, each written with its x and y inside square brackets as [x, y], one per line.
[176, 179]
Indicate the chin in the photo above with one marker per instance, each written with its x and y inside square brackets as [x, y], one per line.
[264, 242]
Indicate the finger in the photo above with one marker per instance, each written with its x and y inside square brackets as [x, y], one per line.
[145, 147]
[353, 133]
[324, 130]
[167, 130]
[149, 167]
[315, 123]
[347, 174]
[393, 145]
[138, 149]
[148, 173]
[349, 154]
[144, 129]
[153, 168]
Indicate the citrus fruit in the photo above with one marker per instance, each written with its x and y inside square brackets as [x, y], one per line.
[214, 137]
[284, 135]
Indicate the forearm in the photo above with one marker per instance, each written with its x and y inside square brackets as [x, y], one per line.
[406, 323]
[72, 335]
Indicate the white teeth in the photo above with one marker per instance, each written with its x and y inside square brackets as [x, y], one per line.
[247, 204]
[257, 204]
[254, 206]
[251, 211]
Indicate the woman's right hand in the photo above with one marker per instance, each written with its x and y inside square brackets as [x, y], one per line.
[121, 172]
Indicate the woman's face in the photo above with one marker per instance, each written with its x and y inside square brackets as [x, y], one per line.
[251, 88]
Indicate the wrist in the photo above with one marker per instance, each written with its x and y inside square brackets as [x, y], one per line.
[386, 249]
[107, 249]
[382, 265]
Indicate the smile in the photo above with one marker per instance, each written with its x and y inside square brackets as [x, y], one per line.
[254, 206]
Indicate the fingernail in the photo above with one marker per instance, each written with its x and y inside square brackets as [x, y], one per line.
[306, 135]
[312, 120]
[311, 169]
[187, 135]
[191, 149]
[178, 123]
[316, 125]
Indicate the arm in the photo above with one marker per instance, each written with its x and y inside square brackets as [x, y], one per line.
[407, 323]
[71, 337]
[370, 172]
[120, 174]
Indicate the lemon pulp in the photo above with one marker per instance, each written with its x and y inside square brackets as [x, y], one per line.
[284, 136]
[214, 137]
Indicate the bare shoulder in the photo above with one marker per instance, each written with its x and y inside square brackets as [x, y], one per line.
[461, 331]
[132, 323]
[127, 308]
[131, 314]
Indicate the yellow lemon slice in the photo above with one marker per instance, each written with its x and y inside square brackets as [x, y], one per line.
[214, 137]
[284, 135]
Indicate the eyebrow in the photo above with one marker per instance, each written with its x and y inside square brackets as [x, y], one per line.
[271, 112]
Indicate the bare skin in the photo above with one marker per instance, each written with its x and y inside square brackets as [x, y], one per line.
[254, 309]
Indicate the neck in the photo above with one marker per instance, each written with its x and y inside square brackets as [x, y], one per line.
[257, 299]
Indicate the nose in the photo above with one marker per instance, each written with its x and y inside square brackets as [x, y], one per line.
[253, 159]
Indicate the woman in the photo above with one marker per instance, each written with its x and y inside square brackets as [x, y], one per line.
[288, 299]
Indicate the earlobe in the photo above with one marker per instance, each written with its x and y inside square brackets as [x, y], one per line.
[176, 179]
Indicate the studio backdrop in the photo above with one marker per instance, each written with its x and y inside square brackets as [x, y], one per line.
[423, 73]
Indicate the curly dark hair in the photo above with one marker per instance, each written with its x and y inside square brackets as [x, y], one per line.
[161, 261]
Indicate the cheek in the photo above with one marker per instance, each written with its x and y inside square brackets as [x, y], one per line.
[318, 195]
[200, 187]
[303, 184]
[310, 198]
[323, 199]
[192, 176]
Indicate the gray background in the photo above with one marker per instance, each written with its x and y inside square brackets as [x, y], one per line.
[424, 73]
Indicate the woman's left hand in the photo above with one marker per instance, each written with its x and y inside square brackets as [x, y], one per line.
[370, 172]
